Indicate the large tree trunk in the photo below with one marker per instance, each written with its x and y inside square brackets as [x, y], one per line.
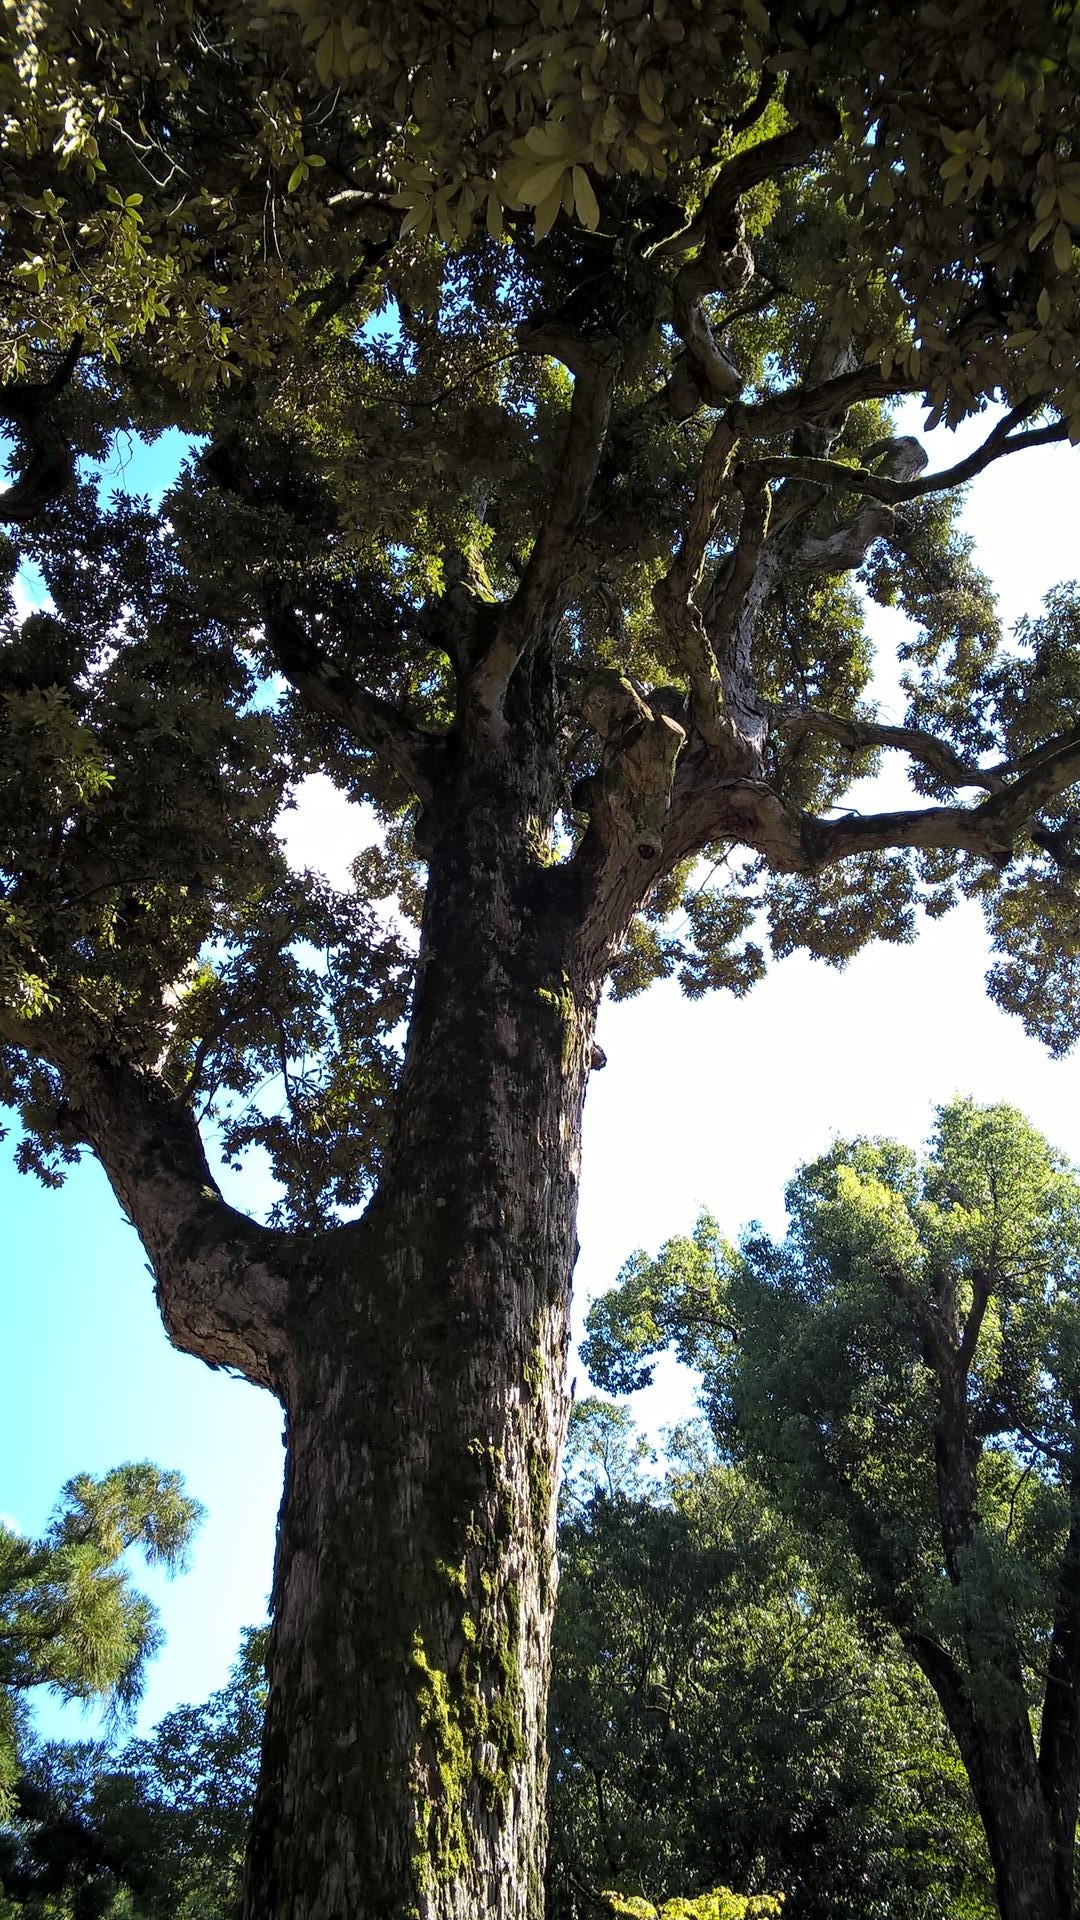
[991, 1727]
[403, 1766]
[1017, 1821]
[1059, 1740]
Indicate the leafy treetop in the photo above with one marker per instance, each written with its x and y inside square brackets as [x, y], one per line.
[69, 1616]
[540, 364]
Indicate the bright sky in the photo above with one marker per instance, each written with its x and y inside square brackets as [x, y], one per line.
[711, 1103]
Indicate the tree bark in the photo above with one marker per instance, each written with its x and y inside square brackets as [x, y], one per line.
[1059, 1744]
[404, 1763]
[1004, 1775]
[993, 1734]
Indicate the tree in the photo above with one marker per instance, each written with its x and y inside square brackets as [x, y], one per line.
[70, 1618]
[539, 367]
[720, 1715]
[903, 1372]
[155, 1831]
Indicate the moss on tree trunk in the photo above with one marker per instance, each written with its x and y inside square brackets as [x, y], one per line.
[404, 1767]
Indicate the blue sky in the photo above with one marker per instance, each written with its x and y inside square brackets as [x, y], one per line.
[706, 1104]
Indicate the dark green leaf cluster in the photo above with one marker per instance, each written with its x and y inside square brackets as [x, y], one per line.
[154, 1831]
[70, 1618]
[719, 1716]
[902, 1373]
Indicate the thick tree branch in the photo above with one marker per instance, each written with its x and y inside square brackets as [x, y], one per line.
[374, 724]
[834, 474]
[723, 263]
[708, 806]
[810, 405]
[981, 1290]
[989, 829]
[220, 1278]
[50, 469]
[938, 1346]
[630, 798]
[939, 758]
[729, 592]
[941, 1670]
[527, 616]
[675, 605]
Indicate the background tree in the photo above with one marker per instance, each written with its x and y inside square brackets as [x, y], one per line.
[902, 1373]
[539, 364]
[720, 1716]
[70, 1618]
[154, 1831]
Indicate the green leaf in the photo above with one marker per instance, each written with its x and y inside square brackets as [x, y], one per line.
[585, 201]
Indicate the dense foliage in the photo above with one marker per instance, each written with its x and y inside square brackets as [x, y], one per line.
[538, 364]
[718, 1719]
[70, 1616]
[902, 1373]
[720, 1715]
[154, 1830]
[204, 226]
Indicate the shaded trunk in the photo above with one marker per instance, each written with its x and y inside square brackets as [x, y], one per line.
[403, 1768]
[1059, 1745]
[996, 1746]
[1019, 1828]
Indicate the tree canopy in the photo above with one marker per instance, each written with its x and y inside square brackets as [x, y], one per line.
[720, 1713]
[539, 364]
[902, 1373]
[589, 319]
[152, 1830]
[70, 1617]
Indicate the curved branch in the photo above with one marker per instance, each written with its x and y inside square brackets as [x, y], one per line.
[835, 474]
[374, 724]
[724, 263]
[706, 807]
[221, 1280]
[931, 753]
[798, 406]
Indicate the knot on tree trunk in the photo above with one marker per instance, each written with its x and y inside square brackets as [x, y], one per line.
[641, 747]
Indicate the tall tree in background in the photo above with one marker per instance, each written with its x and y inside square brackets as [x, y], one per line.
[718, 1714]
[903, 1371]
[541, 362]
[70, 1618]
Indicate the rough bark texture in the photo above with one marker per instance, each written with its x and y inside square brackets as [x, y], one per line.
[1016, 1817]
[404, 1767]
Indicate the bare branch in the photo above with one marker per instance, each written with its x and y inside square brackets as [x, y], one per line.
[932, 753]
[836, 475]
